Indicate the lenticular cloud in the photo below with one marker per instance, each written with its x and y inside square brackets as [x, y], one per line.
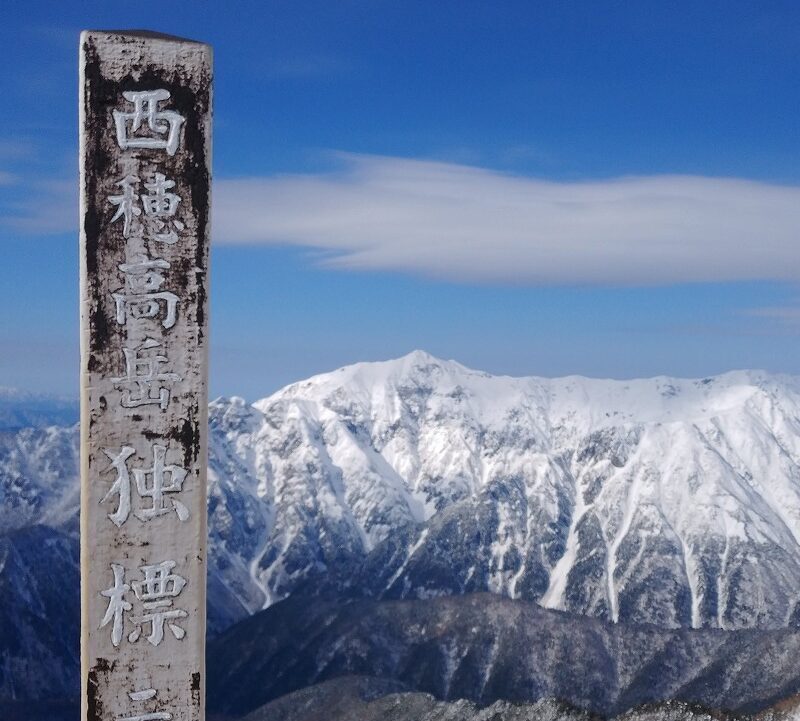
[470, 224]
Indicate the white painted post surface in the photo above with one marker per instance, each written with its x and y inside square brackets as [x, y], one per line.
[145, 177]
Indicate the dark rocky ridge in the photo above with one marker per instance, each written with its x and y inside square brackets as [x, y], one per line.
[482, 648]
[370, 699]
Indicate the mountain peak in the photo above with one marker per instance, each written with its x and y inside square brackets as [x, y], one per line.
[420, 356]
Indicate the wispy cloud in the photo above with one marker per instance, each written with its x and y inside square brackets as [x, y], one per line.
[470, 224]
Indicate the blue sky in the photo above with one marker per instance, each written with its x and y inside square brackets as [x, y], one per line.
[609, 188]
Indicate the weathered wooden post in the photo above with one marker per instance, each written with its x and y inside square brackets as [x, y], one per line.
[145, 172]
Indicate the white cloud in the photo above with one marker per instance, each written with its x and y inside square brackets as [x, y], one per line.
[470, 224]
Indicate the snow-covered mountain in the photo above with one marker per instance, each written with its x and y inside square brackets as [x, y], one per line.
[673, 502]
[667, 501]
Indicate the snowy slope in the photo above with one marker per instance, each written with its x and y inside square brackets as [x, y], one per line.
[38, 477]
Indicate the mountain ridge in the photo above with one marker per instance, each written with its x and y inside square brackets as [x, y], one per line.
[359, 407]
[659, 500]
[481, 648]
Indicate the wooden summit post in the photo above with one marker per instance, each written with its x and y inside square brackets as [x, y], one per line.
[145, 145]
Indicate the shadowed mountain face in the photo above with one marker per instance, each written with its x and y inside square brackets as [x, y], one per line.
[483, 647]
[39, 614]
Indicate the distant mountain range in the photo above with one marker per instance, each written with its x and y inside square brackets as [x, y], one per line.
[661, 501]
[19, 409]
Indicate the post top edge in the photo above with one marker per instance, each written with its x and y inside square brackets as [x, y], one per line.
[140, 34]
